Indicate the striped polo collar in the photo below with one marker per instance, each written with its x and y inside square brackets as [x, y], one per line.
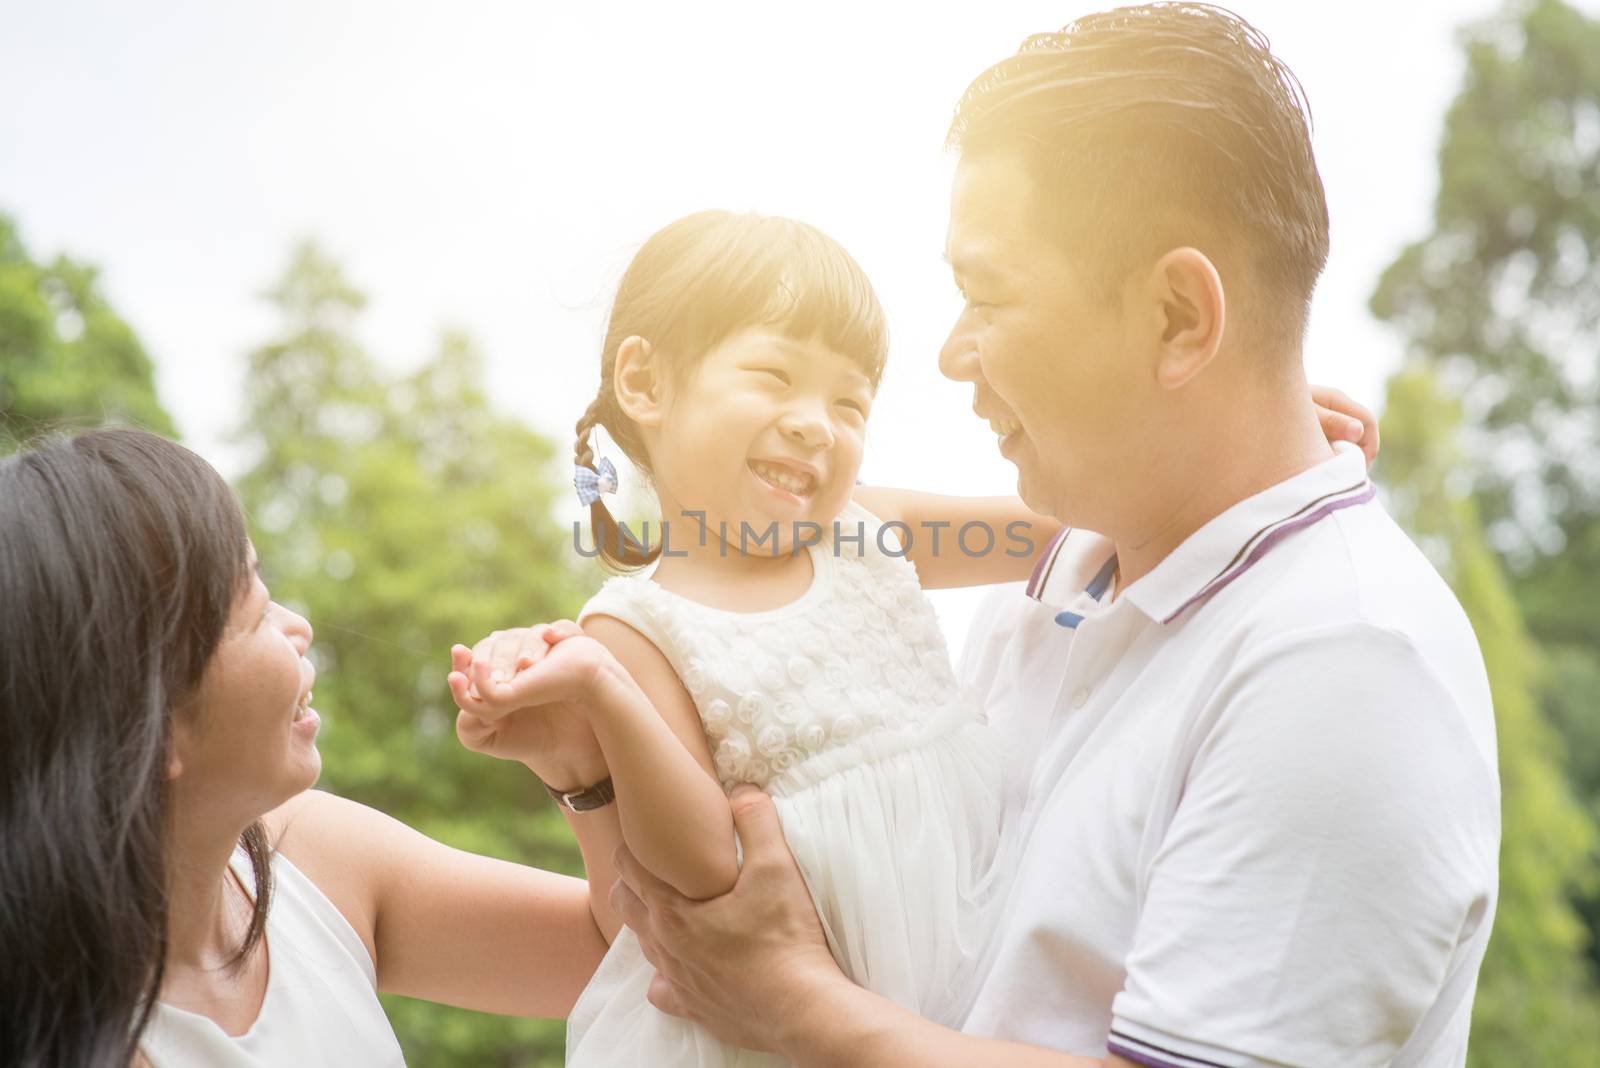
[1042, 583]
[1223, 549]
[1073, 574]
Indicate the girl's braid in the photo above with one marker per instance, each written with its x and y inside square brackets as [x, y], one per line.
[582, 452]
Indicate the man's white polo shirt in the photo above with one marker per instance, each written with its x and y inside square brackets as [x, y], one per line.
[1263, 820]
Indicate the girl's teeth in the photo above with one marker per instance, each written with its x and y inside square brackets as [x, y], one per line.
[797, 485]
[1004, 427]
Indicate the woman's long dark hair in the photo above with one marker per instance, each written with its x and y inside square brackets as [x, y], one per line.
[121, 555]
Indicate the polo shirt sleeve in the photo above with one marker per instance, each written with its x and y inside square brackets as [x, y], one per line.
[1329, 866]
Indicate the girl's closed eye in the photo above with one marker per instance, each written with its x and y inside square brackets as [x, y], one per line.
[781, 376]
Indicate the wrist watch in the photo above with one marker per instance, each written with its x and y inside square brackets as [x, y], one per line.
[586, 799]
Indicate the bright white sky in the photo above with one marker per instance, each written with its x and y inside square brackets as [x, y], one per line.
[491, 165]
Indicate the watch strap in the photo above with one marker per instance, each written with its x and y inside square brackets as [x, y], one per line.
[586, 799]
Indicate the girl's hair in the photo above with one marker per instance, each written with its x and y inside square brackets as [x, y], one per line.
[121, 556]
[699, 280]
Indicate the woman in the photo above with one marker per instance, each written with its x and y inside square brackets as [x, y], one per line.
[172, 891]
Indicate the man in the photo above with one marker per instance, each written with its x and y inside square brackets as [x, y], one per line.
[1262, 825]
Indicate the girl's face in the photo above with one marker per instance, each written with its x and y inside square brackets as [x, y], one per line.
[248, 743]
[766, 431]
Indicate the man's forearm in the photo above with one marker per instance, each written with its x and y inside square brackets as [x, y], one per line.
[841, 1025]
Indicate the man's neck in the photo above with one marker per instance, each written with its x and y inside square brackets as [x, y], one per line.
[1216, 472]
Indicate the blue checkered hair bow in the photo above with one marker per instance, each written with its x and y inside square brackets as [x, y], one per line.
[590, 483]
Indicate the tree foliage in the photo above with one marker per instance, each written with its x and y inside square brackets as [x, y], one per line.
[1536, 1001]
[1502, 300]
[65, 357]
[1492, 455]
[401, 515]
[1503, 297]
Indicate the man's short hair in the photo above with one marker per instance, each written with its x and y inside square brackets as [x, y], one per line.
[1158, 126]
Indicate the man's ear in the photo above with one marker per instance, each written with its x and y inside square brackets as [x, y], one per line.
[1191, 313]
[639, 382]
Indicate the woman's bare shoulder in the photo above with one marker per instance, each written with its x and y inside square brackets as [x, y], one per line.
[339, 845]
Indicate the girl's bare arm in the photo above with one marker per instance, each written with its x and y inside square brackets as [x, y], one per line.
[962, 541]
[518, 691]
[673, 813]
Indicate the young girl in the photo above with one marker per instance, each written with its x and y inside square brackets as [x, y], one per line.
[781, 636]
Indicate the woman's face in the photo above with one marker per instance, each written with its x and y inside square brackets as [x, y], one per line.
[247, 742]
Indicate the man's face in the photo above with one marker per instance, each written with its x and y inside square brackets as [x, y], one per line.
[1055, 367]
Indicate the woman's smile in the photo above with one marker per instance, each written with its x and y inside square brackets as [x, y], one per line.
[305, 721]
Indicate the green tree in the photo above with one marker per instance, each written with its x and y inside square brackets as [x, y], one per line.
[1503, 297]
[65, 356]
[1502, 300]
[1536, 1001]
[403, 515]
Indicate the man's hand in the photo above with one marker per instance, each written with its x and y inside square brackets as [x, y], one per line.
[740, 963]
[520, 702]
[1343, 419]
[753, 968]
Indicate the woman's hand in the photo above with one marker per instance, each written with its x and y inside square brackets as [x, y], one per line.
[1343, 419]
[738, 964]
[520, 700]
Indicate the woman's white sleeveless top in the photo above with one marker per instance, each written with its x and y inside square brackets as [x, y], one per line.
[321, 1006]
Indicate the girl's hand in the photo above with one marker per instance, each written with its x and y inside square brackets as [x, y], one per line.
[1344, 420]
[519, 702]
[512, 669]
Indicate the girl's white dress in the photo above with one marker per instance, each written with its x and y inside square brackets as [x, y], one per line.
[843, 706]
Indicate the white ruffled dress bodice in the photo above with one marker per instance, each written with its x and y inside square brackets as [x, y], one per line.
[855, 666]
[843, 706]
